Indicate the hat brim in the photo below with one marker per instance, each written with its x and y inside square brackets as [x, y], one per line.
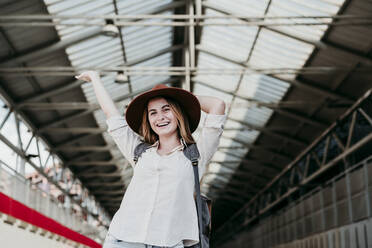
[187, 101]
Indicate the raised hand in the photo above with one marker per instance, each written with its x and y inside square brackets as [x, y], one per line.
[88, 76]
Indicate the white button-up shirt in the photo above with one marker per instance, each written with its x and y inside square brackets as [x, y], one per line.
[158, 207]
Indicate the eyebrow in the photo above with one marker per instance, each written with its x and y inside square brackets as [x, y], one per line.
[165, 105]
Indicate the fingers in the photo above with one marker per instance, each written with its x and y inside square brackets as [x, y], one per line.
[83, 77]
[88, 76]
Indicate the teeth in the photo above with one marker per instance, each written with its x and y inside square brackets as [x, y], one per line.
[163, 124]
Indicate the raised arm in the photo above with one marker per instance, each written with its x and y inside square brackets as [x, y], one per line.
[124, 137]
[212, 105]
[104, 99]
[211, 129]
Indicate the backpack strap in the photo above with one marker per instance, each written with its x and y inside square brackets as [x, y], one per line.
[192, 153]
[140, 148]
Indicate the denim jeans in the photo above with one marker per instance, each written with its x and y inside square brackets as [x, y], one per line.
[112, 242]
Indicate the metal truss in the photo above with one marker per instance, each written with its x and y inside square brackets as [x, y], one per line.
[316, 43]
[296, 83]
[91, 110]
[60, 45]
[176, 71]
[77, 83]
[197, 16]
[277, 107]
[186, 20]
[55, 172]
[335, 147]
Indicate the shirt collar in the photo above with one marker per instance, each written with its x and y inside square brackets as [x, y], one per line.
[177, 148]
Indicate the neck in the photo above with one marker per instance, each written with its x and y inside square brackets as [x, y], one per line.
[168, 142]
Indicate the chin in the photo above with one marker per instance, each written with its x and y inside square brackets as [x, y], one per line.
[167, 132]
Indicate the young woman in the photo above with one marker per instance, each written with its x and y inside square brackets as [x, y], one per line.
[158, 208]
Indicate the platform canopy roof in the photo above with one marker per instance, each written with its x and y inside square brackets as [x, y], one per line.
[286, 69]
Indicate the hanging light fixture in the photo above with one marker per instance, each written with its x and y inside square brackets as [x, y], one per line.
[121, 78]
[110, 29]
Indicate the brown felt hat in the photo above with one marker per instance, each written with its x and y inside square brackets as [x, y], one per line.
[187, 101]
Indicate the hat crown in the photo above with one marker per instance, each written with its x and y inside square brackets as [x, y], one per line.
[189, 103]
[159, 86]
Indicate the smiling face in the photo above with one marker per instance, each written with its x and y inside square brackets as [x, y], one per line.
[161, 117]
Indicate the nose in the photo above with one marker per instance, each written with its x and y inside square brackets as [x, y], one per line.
[161, 116]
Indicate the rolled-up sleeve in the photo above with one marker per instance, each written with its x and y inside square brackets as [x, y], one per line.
[209, 139]
[124, 137]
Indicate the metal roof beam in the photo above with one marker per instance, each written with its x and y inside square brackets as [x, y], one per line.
[52, 92]
[240, 176]
[116, 183]
[27, 121]
[109, 198]
[125, 168]
[75, 140]
[83, 113]
[100, 174]
[77, 83]
[80, 157]
[115, 199]
[39, 170]
[246, 181]
[86, 148]
[295, 83]
[248, 145]
[74, 130]
[271, 133]
[33, 82]
[265, 168]
[232, 198]
[62, 44]
[107, 192]
[240, 184]
[278, 110]
[241, 190]
[318, 44]
[59, 106]
[325, 45]
[227, 165]
[111, 205]
[282, 156]
[247, 172]
[229, 194]
[111, 201]
[75, 39]
[97, 162]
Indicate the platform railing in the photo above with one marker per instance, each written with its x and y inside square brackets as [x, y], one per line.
[20, 189]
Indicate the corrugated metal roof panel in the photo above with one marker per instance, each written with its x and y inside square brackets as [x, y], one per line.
[303, 8]
[80, 7]
[139, 7]
[225, 40]
[224, 82]
[240, 7]
[271, 50]
[24, 38]
[140, 41]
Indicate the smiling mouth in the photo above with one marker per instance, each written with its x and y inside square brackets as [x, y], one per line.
[163, 124]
